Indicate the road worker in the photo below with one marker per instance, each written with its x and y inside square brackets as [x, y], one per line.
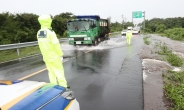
[129, 36]
[51, 51]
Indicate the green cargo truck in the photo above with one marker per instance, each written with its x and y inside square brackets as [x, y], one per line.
[89, 29]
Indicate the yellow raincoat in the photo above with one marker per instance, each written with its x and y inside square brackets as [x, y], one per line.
[51, 51]
[128, 36]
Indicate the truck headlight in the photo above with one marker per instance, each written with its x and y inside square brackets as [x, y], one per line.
[87, 38]
[71, 38]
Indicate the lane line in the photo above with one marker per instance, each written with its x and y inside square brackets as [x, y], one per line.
[23, 78]
[89, 51]
[35, 73]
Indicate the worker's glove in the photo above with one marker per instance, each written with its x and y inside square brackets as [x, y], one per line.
[61, 59]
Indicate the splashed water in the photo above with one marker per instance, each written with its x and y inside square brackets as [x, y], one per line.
[151, 65]
[112, 43]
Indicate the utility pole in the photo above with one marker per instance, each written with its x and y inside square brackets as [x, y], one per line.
[132, 18]
[144, 21]
[123, 22]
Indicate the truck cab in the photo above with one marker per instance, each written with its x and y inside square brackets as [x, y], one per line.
[87, 30]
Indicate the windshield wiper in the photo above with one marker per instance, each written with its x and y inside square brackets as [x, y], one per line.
[84, 27]
[75, 28]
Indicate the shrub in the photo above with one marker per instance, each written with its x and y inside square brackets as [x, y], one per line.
[175, 33]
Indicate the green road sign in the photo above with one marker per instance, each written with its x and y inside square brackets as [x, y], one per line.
[137, 14]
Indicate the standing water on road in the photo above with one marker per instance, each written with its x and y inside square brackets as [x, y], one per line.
[109, 77]
[112, 43]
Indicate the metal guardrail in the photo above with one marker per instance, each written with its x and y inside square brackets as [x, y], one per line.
[27, 44]
[18, 45]
[21, 45]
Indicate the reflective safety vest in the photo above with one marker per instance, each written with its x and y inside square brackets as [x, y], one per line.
[47, 40]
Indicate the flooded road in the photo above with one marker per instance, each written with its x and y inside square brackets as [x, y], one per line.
[105, 77]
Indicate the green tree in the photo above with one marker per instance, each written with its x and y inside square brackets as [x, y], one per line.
[59, 23]
[161, 28]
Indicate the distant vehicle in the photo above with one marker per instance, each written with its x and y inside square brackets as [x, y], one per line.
[135, 32]
[123, 32]
[33, 95]
[88, 29]
[130, 27]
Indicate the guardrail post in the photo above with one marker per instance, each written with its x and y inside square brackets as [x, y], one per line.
[18, 53]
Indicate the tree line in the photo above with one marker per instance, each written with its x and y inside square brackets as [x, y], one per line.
[169, 27]
[158, 25]
[18, 28]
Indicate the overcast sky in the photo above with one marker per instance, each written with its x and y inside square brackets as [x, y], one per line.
[104, 8]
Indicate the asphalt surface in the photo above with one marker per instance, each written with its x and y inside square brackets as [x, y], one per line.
[105, 77]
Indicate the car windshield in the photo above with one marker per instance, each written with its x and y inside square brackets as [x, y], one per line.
[78, 26]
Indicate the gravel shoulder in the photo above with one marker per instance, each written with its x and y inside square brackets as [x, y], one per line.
[153, 67]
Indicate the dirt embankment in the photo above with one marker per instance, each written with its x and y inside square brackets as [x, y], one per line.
[153, 67]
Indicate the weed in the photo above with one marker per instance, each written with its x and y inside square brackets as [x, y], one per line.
[146, 41]
[174, 89]
[174, 60]
[164, 50]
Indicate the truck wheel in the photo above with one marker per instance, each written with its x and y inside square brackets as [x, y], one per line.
[99, 39]
[95, 42]
[106, 37]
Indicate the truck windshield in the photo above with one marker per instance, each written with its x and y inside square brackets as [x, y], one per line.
[78, 26]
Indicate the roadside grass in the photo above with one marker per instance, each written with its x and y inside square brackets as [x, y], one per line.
[174, 89]
[114, 34]
[164, 50]
[173, 37]
[175, 34]
[146, 41]
[162, 34]
[173, 59]
[173, 81]
[7, 55]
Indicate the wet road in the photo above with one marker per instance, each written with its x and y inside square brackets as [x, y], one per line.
[105, 77]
